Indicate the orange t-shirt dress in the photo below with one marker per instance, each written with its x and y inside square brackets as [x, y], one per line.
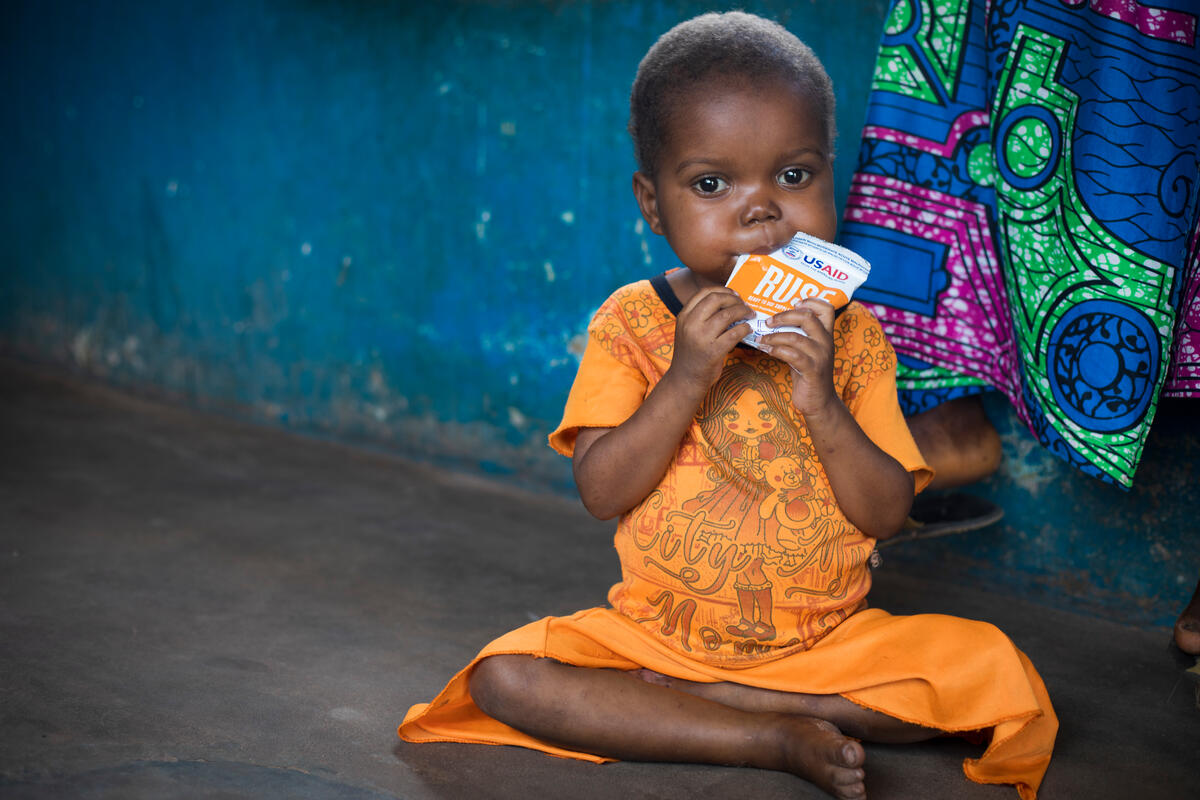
[740, 566]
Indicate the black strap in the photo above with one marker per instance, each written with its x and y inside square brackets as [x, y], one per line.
[662, 287]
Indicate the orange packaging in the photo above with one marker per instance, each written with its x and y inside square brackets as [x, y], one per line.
[804, 267]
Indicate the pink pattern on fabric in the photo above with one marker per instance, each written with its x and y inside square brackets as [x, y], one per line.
[1184, 378]
[1158, 23]
[970, 331]
[966, 121]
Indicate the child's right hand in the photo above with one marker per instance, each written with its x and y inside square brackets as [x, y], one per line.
[703, 336]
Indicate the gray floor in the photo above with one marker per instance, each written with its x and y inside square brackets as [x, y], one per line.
[191, 607]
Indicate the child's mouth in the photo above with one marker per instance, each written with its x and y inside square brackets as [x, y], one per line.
[767, 249]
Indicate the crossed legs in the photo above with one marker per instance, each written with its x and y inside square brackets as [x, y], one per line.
[643, 716]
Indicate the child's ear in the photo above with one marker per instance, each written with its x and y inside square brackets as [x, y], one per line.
[647, 200]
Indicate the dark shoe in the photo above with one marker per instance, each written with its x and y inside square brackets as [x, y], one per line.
[745, 628]
[936, 515]
[763, 632]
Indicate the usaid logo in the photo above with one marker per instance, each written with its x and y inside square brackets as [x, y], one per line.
[828, 269]
[791, 251]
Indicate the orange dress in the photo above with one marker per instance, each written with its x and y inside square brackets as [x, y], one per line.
[740, 566]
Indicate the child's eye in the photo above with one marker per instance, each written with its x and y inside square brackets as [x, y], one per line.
[794, 176]
[709, 184]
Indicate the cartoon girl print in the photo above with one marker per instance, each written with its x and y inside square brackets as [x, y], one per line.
[746, 421]
[748, 427]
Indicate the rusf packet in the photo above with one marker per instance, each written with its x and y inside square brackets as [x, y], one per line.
[804, 267]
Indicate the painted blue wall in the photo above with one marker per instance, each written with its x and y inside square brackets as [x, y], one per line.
[387, 219]
[390, 222]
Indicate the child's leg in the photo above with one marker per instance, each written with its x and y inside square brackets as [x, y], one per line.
[850, 718]
[958, 441]
[616, 714]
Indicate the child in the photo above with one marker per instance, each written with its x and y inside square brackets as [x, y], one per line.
[750, 485]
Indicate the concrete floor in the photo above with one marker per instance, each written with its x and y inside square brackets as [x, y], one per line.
[192, 607]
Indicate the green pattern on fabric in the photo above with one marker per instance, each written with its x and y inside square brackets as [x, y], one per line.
[1057, 253]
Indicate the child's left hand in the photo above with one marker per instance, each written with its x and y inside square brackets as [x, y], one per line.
[810, 357]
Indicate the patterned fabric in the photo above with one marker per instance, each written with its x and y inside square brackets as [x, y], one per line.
[741, 554]
[1026, 193]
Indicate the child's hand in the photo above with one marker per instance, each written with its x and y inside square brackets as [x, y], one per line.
[703, 336]
[810, 357]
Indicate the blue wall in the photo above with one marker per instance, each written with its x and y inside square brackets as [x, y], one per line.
[390, 222]
[387, 219]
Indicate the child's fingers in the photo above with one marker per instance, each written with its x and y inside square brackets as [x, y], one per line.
[783, 352]
[809, 355]
[713, 297]
[815, 334]
[822, 309]
[795, 349]
[729, 338]
[728, 327]
[819, 329]
[809, 315]
[732, 315]
[709, 323]
[719, 306]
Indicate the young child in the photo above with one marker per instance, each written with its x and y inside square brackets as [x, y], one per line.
[751, 486]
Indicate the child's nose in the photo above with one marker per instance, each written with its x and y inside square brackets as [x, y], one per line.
[759, 207]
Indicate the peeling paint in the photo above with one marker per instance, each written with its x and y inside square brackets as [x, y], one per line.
[1024, 465]
[639, 229]
[576, 344]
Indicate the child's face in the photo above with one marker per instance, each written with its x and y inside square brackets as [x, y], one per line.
[744, 168]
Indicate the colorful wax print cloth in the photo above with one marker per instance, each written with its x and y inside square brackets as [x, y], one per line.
[1026, 192]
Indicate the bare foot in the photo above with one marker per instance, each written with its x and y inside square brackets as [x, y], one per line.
[1187, 627]
[849, 717]
[818, 752]
[813, 748]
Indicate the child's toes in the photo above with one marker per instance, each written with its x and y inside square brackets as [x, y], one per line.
[852, 754]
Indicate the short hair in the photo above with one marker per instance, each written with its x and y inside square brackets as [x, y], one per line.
[733, 45]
